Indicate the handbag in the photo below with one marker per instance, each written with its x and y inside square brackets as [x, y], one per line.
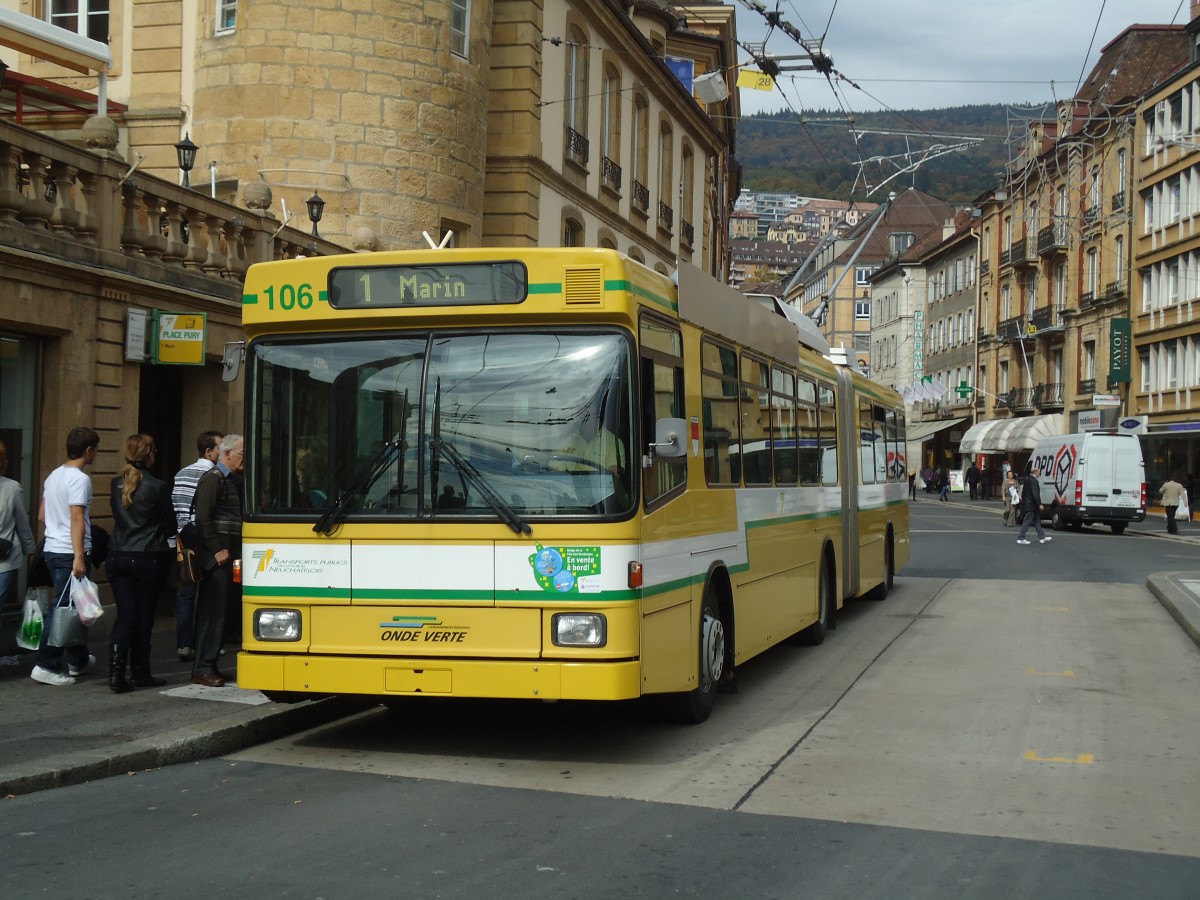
[86, 598]
[5, 548]
[191, 556]
[66, 630]
[29, 635]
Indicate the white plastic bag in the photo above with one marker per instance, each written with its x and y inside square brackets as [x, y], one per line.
[1183, 511]
[86, 598]
[29, 635]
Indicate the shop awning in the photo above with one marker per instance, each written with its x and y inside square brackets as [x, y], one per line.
[923, 431]
[1003, 435]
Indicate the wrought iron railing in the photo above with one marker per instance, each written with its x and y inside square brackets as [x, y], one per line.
[641, 195]
[1052, 239]
[1048, 396]
[666, 216]
[1020, 398]
[577, 145]
[689, 233]
[610, 173]
[1047, 318]
[1087, 386]
[1087, 299]
[1011, 329]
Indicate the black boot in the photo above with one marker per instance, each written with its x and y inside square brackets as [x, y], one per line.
[139, 666]
[117, 682]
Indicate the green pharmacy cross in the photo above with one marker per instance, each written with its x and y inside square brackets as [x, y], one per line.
[964, 390]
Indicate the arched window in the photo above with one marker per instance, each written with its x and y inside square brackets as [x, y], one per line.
[610, 138]
[576, 95]
[572, 232]
[666, 180]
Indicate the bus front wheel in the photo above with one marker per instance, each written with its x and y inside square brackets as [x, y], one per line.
[815, 633]
[695, 706]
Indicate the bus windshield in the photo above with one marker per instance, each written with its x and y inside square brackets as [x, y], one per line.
[496, 426]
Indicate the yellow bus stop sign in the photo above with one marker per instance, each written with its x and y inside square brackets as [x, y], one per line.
[178, 338]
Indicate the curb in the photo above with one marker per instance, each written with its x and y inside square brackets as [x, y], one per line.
[1181, 603]
[215, 737]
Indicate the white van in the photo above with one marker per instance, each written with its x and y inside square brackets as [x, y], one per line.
[1094, 477]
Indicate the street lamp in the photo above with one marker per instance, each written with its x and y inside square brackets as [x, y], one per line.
[186, 151]
[316, 208]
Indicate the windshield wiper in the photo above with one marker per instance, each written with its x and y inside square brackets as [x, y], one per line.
[372, 469]
[475, 478]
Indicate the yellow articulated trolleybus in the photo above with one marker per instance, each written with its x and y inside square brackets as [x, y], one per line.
[546, 474]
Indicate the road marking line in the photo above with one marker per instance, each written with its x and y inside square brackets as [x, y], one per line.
[1084, 759]
[1051, 609]
[1068, 673]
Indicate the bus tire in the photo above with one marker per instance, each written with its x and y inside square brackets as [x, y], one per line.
[1118, 527]
[695, 706]
[815, 633]
[1057, 521]
[880, 591]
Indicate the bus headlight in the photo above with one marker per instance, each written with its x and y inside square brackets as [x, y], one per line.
[579, 630]
[277, 624]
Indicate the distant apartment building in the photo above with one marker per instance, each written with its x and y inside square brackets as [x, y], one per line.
[763, 261]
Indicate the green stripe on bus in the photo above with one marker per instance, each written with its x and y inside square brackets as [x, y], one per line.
[547, 287]
[288, 593]
[249, 299]
[323, 296]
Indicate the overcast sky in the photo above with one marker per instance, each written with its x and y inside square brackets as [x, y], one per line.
[924, 54]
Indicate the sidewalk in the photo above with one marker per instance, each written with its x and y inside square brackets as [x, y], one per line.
[56, 736]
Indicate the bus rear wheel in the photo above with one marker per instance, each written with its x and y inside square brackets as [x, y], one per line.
[814, 634]
[695, 706]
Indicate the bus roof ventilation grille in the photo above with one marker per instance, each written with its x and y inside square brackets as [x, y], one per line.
[584, 286]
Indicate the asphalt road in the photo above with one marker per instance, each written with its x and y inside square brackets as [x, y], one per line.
[1011, 722]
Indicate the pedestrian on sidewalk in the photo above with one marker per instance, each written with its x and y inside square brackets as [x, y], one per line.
[1012, 500]
[912, 483]
[66, 505]
[14, 528]
[208, 445]
[139, 558]
[219, 521]
[1031, 505]
[1170, 494]
[943, 483]
[973, 480]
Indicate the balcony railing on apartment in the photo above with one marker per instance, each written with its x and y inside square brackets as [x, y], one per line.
[666, 216]
[577, 146]
[1091, 217]
[78, 206]
[1048, 396]
[1005, 257]
[1047, 319]
[641, 196]
[689, 233]
[1011, 330]
[1087, 299]
[1020, 399]
[610, 173]
[985, 266]
[1021, 253]
[1114, 290]
[1002, 400]
[1087, 386]
[1118, 201]
[1052, 239]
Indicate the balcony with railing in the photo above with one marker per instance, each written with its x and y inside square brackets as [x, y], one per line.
[1087, 300]
[1047, 320]
[687, 232]
[1118, 201]
[666, 216]
[1021, 254]
[1048, 396]
[77, 206]
[610, 174]
[1053, 239]
[1005, 257]
[1087, 386]
[1091, 217]
[641, 196]
[1011, 330]
[577, 146]
[1115, 291]
[1001, 400]
[1020, 399]
[985, 267]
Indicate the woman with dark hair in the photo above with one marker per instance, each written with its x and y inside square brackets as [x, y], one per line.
[139, 558]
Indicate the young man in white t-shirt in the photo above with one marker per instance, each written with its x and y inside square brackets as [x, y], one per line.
[66, 499]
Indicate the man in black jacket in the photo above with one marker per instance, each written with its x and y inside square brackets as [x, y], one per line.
[1031, 505]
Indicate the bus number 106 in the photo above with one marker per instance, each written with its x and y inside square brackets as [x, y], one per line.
[290, 296]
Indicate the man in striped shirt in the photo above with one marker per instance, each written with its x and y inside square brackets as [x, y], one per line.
[186, 479]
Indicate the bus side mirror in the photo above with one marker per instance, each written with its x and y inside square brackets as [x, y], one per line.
[670, 439]
[231, 361]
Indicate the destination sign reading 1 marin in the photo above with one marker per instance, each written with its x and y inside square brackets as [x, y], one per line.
[456, 284]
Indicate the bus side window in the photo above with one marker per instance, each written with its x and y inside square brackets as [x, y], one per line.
[719, 389]
[827, 415]
[783, 432]
[756, 422]
[808, 433]
[662, 398]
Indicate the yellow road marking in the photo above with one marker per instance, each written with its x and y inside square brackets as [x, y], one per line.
[1084, 759]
